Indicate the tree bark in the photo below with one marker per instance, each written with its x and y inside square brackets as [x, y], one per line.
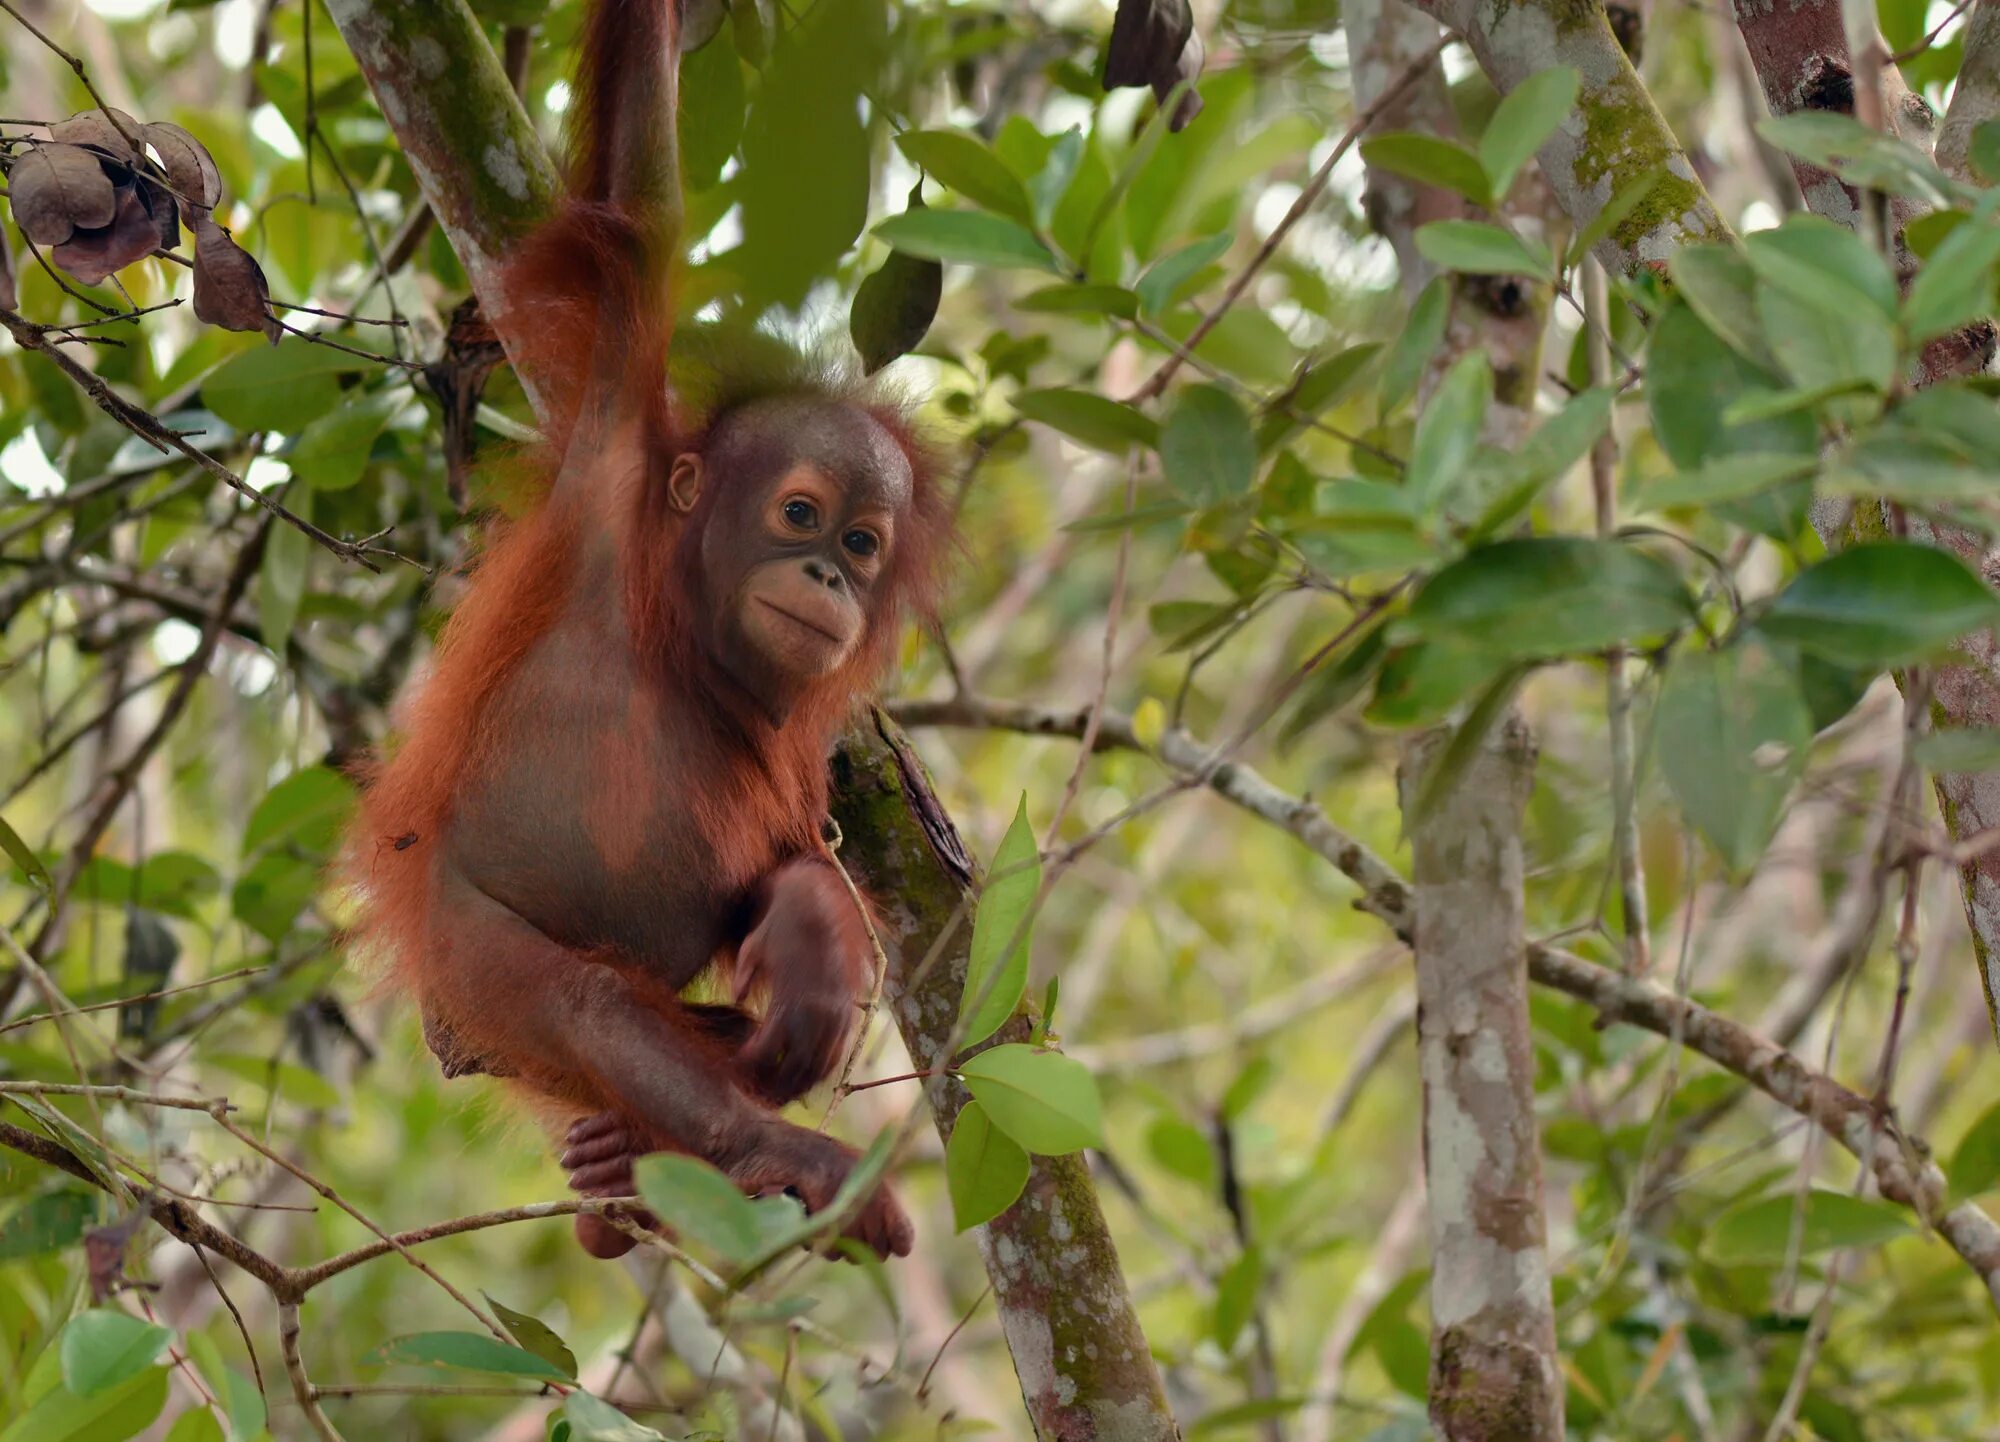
[1494, 1371]
[1086, 1371]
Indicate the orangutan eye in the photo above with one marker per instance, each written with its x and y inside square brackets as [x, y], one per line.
[803, 514]
[861, 543]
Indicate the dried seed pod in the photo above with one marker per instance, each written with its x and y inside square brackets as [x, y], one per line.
[229, 285]
[190, 168]
[91, 254]
[58, 189]
[105, 130]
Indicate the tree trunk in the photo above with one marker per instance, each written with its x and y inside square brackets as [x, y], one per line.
[1494, 1375]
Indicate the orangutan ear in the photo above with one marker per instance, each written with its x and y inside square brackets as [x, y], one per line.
[684, 481]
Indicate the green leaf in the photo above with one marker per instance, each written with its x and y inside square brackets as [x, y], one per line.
[1448, 429]
[1094, 420]
[281, 584]
[1881, 604]
[1161, 285]
[467, 1351]
[995, 983]
[1862, 156]
[113, 1415]
[1725, 478]
[1692, 378]
[1236, 1296]
[1474, 247]
[332, 452]
[1422, 333]
[712, 110]
[1831, 341]
[1524, 118]
[305, 811]
[1069, 299]
[1430, 160]
[270, 895]
[704, 1206]
[1183, 1149]
[1551, 596]
[1042, 1099]
[985, 1170]
[893, 308]
[46, 1223]
[1955, 286]
[806, 168]
[1206, 446]
[23, 856]
[241, 1402]
[1052, 181]
[1717, 281]
[964, 163]
[102, 1348]
[534, 1335]
[282, 389]
[1975, 1162]
[1961, 751]
[1984, 151]
[965, 237]
[1498, 493]
[1627, 199]
[591, 1419]
[1760, 1231]
[1733, 734]
[1321, 385]
[1818, 261]
[199, 1425]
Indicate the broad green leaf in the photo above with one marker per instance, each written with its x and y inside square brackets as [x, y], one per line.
[306, 811]
[47, 1223]
[1475, 247]
[535, 1335]
[704, 1206]
[1975, 1162]
[591, 1419]
[1984, 152]
[1818, 261]
[1430, 160]
[965, 237]
[1335, 683]
[984, 1168]
[242, 1404]
[1716, 280]
[1161, 285]
[1524, 118]
[1831, 341]
[1044, 1100]
[1726, 478]
[199, 1425]
[1236, 1420]
[270, 895]
[1418, 684]
[1881, 604]
[1923, 467]
[1052, 181]
[113, 1415]
[712, 110]
[1733, 734]
[1858, 154]
[23, 856]
[102, 1348]
[893, 308]
[281, 584]
[465, 1352]
[1692, 377]
[332, 452]
[1183, 1149]
[805, 177]
[1962, 751]
[964, 163]
[1095, 420]
[1495, 494]
[1551, 596]
[1319, 386]
[1448, 430]
[1422, 333]
[1206, 446]
[1069, 299]
[1623, 203]
[996, 969]
[1760, 1231]
[1955, 286]
[285, 389]
[1236, 1296]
